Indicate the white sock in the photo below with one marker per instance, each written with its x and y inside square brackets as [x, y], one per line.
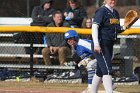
[95, 83]
[89, 86]
[107, 82]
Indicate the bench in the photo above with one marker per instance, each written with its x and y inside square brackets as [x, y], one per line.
[19, 55]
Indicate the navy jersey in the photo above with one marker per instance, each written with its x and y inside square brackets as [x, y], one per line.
[83, 48]
[109, 24]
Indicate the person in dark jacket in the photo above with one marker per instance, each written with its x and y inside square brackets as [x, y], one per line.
[42, 15]
[74, 13]
[55, 41]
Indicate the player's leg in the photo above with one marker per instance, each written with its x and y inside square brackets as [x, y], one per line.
[106, 64]
[107, 82]
[91, 66]
[96, 81]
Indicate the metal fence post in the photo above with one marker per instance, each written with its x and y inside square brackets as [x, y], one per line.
[31, 57]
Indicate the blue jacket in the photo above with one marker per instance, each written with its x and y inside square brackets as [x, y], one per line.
[83, 48]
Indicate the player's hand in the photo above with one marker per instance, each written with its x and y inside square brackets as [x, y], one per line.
[84, 62]
[97, 49]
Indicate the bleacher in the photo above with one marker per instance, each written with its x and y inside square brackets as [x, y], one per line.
[13, 55]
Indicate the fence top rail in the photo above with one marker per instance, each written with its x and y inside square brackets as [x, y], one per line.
[119, 36]
[17, 29]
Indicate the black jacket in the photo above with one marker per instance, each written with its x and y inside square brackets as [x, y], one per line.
[45, 16]
[79, 14]
[56, 39]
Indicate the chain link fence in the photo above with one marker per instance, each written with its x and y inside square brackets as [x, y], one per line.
[127, 52]
[23, 50]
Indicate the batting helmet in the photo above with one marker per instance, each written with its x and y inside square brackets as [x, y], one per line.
[71, 34]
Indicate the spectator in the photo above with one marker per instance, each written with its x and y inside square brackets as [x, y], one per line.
[74, 13]
[42, 15]
[55, 41]
[87, 23]
[83, 51]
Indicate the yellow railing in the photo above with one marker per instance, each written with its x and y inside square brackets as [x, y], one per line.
[57, 29]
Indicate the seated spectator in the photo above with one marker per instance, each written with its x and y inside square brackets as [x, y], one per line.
[74, 13]
[55, 41]
[87, 23]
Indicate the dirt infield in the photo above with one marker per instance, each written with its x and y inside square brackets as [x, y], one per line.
[37, 87]
[7, 90]
[27, 90]
[40, 87]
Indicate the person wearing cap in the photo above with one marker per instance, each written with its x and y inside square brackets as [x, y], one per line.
[42, 15]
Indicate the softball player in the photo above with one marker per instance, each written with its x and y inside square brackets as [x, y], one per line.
[104, 33]
[83, 50]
